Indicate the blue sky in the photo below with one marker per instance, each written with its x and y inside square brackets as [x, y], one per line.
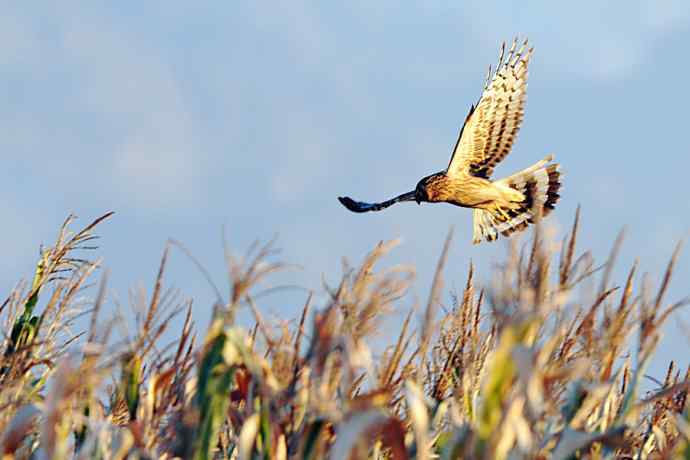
[255, 115]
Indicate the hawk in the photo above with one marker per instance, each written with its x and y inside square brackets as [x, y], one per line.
[500, 207]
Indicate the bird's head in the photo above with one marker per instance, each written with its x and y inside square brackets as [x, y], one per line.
[427, 188]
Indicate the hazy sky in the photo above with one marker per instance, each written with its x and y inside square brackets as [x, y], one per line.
[256, 115]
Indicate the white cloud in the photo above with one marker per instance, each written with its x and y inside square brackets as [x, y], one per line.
[16, 42]
[155, 158]
[589, 39]
[303, 158]
[20, 245]
[665, 15]
[82, 70]
[154, 171]
[613, 58]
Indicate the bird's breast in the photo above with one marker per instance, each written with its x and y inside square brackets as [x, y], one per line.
[468, 192]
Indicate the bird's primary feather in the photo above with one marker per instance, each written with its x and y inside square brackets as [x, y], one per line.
[492, 126]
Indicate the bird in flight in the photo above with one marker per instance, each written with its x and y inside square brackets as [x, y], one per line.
[500, 207]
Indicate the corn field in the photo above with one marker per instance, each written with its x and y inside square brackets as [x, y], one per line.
[526, 367]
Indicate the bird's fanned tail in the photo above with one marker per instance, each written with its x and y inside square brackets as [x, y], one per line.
[539, 184]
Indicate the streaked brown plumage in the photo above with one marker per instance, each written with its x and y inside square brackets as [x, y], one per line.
[500, 207]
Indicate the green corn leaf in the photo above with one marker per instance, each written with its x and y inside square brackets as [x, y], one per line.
[266, 432]
[223, 351]
[131, 380]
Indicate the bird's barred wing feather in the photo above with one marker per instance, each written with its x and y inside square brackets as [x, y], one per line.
[491, 127]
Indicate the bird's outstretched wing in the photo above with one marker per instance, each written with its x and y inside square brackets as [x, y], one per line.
[359, 206]
[492, 125]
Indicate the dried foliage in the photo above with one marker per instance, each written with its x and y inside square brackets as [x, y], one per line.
[540, 363]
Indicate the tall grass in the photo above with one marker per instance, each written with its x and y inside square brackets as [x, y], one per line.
[544, 362]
